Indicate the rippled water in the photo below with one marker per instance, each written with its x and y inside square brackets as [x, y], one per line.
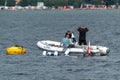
[27, 27]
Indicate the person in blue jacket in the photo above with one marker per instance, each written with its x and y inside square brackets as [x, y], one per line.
[66, 41]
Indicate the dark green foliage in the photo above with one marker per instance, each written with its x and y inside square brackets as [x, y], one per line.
[2, 2]
[56, 3]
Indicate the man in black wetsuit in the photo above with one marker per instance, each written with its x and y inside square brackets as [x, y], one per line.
[82, 35]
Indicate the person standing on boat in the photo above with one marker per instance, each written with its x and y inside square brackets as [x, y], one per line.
[82, 35]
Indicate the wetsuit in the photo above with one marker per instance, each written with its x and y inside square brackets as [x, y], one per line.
[82, 35]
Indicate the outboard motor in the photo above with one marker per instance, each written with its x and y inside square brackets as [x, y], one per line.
[104, 50]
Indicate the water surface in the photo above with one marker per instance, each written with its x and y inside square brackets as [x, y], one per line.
[27, 27]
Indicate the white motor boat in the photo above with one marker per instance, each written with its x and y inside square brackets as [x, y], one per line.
[54, 46]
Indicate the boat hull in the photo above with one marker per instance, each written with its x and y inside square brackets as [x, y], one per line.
[55, 46]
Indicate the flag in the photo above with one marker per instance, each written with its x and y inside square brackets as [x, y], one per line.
[88, 49]
[17, 1]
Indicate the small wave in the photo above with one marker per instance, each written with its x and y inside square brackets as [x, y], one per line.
[77, 70]
[22, 73]
[117, 62]
[117, 33]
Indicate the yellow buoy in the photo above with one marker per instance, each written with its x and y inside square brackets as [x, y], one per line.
[16, 50]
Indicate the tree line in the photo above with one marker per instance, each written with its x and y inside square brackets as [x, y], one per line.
[56, 3]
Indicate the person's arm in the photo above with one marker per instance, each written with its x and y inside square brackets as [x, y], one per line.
[71, 41]
[86, 29]
[61, 43]
[78, 29]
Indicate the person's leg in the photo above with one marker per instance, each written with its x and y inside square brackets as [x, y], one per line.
[85, 43]
[71, 46]
[80, 42]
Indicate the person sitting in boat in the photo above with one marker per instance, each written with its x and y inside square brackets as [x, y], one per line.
[82, 35]
[66, 41]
